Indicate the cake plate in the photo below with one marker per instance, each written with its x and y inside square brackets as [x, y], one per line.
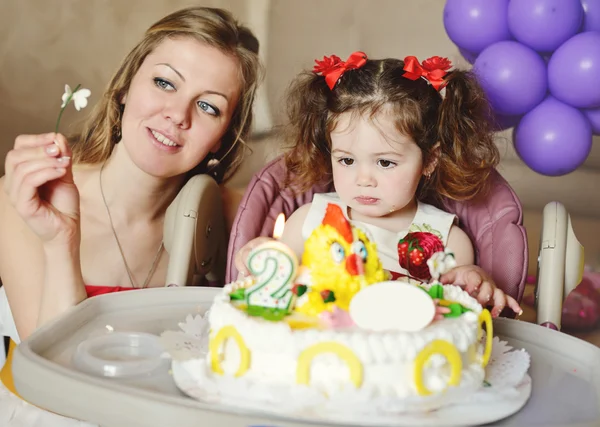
[565, 371]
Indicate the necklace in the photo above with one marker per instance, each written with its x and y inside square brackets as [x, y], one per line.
[156, 257]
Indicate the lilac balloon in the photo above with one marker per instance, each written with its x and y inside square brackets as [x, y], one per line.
[502, 122]
[593, 116]
[473, 25]
[574, 71]
[469, 56]
[554, 138]
[591, 16]
[513, 77]
[544, 25]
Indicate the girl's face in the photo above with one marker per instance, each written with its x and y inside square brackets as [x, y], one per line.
[376, 170]
[178, 106]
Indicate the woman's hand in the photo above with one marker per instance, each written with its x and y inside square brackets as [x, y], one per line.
[241, 258]
[481, 286]
[39, 184]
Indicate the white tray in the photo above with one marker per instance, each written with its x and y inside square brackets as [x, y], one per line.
[565, 370]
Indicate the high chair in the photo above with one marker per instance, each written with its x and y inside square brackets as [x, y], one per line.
[560, 265]
[194, 234]
[494, 224]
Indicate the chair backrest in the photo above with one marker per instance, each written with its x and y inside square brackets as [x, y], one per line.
[494, 223]
[194, 234]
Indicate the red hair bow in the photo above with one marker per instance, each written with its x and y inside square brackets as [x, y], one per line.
[332, 67]
[433, 70]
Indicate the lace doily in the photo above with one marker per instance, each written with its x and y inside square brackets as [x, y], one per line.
[506, 377]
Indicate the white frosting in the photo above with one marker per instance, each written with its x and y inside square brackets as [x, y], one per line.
[387, 358]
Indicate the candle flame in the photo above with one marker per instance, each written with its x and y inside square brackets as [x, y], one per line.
[279, 225]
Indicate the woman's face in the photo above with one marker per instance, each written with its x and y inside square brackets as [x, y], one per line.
[178, 106]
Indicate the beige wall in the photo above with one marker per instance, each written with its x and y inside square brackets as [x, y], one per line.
[45, 44]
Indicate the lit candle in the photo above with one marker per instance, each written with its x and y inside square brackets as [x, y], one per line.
[274, 266]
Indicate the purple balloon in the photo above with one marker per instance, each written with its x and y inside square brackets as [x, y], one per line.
[574, 71]
[469, 56]
[473, 25]
[513, 77]
[544, 25]
[591, 16]
[554, 138]
[593, 116]
[502, 122]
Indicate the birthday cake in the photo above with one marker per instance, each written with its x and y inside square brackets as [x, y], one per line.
[335, 323]
[335, 330]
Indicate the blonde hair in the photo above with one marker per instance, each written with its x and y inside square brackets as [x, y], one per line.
[214, 27]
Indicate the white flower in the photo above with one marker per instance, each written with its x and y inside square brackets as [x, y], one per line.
[79, 97]
[440, 263]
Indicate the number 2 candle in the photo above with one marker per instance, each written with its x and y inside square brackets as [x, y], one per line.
[274, 267]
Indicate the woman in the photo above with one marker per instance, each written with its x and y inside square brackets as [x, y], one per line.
[87, 218]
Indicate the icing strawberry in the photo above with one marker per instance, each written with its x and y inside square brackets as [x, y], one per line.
[415, 249]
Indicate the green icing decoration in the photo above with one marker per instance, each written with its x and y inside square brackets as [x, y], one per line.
[456, 310]
[328, 296]
[267, 313]
[436, 292]
[238, 294]
[486, 384]
[299, 290]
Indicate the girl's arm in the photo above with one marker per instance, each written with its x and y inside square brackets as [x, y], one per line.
[460, 244]
[292, 233]
[473, 278]
[292, 236]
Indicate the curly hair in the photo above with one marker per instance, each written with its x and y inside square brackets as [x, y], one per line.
[215, 27]
[458, 123]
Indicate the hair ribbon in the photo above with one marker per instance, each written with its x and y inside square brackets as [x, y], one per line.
[332, 67]
[433, 70]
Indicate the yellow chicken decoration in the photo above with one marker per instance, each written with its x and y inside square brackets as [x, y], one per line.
[341, 261]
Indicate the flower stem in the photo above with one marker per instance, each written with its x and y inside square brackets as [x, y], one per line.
[63, 108]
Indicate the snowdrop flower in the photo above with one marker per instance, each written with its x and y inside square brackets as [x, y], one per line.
[79, 98]
[441, 262]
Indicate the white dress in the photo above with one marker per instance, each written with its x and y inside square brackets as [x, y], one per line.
[15, 412]
[428, 219]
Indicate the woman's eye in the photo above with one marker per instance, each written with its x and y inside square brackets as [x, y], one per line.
[337, 252]
[204, 106]
[346, 161]
[163, 84]
[386, 163]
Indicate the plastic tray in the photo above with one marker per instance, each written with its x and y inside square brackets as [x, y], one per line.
[564, 369]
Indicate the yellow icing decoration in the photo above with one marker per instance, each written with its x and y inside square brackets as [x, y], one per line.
[343, 352]
[306, 323]
[449, 352]
[214, 346]
[319, 259]
[486, 317]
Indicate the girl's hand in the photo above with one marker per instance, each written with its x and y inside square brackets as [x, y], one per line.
[241, 258]
[440, 310]
[481, 286]
[39, 184]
